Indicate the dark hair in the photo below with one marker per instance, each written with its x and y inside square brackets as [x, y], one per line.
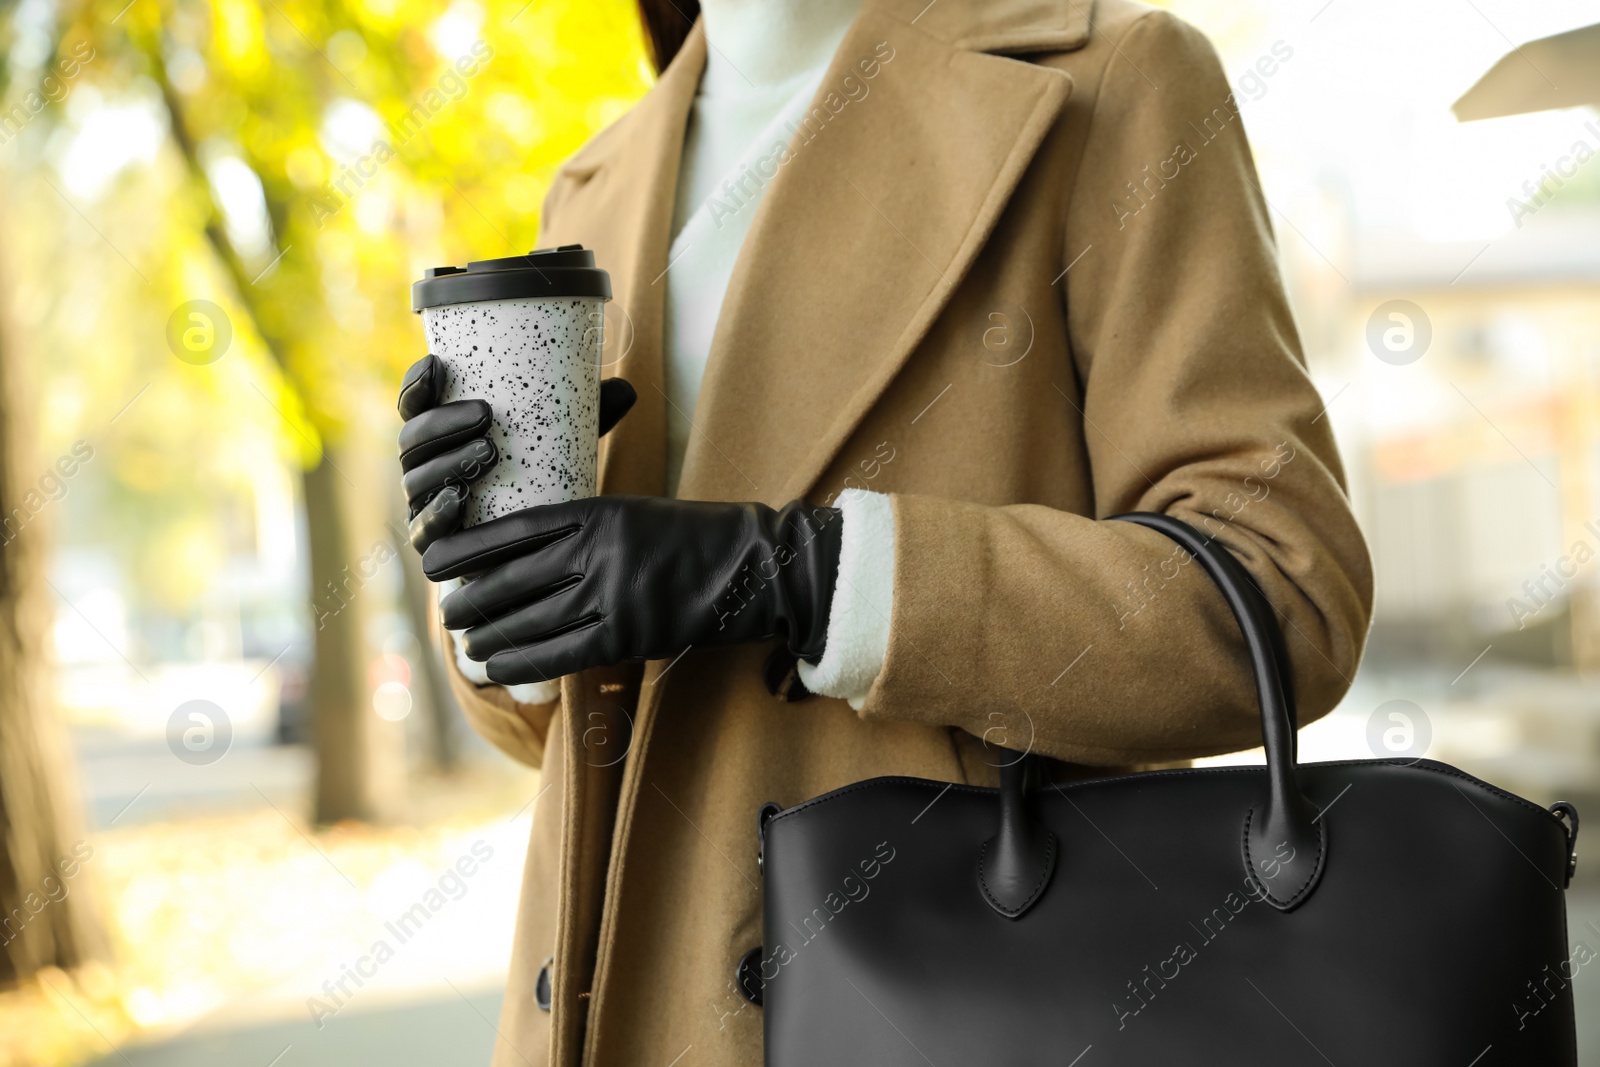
[666, 24]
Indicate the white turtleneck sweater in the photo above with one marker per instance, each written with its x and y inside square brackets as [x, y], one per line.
[765, 61]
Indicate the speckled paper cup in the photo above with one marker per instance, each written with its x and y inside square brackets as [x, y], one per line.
[524, 333]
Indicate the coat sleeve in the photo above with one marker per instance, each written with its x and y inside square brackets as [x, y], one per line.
[1091, 640]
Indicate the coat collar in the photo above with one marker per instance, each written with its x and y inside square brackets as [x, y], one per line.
[1002, 27]
[862, 235]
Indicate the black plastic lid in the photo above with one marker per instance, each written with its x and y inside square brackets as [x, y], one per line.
[565, 271]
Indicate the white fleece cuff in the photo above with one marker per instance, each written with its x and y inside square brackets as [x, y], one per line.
[478, 674]
[863, 601]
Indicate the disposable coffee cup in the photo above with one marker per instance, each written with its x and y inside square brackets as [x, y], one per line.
[524, 333]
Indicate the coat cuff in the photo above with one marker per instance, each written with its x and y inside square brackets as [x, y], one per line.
[518, 730]
[478, 674]
[863, 599]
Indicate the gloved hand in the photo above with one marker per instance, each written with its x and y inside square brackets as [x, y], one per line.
[445, 447]
[607, 580]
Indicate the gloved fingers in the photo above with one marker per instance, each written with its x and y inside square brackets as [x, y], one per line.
[472, 460]
[568, 653]
[438, 517]
[489, 544]
[419, 389]
[617, 397]
[437, 430]
[561, 610]
[508, 587]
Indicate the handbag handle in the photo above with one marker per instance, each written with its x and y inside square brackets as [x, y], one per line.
[1283, 843]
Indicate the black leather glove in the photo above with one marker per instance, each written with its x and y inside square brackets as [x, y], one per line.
[607, 580]
[446, 447]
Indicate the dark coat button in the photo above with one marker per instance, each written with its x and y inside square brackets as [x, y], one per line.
[747, 976]
[541, 985]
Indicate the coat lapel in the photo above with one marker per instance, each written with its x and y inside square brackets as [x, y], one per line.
[621, 206]
[861, 238]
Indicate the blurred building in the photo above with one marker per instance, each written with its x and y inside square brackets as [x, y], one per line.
[1479, 480]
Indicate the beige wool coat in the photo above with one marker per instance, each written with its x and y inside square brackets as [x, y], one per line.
[1014, 271]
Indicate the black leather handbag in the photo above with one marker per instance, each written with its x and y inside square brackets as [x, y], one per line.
[1352, 913]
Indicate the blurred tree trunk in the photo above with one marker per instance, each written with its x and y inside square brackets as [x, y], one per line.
[342, 721]
[42, 922]
[342, 729]
[439, 703]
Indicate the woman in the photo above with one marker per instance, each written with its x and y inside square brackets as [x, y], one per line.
[949, 283]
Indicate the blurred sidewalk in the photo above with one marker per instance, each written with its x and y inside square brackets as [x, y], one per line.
[454, 1032]
[238, 926]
